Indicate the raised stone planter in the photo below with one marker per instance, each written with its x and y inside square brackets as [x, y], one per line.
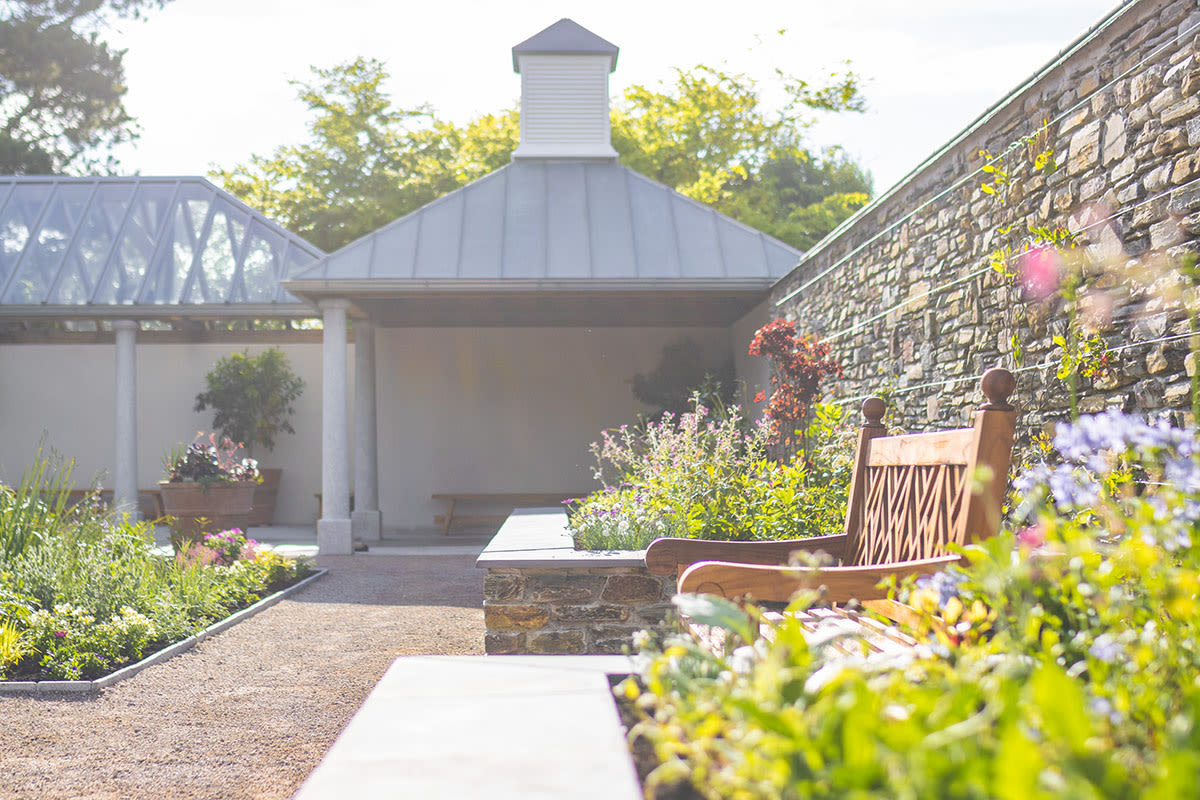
[543, 596]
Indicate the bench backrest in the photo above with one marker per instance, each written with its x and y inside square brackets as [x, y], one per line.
[911, 496]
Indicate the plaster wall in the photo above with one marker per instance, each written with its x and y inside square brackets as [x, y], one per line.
[753, 372]
[66, 394]
[495, 410]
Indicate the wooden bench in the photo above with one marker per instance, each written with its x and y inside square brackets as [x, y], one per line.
[911, 500]
[511, 500]
[149, 500]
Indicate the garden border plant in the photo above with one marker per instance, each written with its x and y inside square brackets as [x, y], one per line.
[1058, 661]
[84, 592]
[710, 473]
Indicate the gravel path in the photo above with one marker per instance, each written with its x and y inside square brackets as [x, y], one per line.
[248, 713]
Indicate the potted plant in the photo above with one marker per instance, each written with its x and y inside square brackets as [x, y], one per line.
[207, 487]
[252, 397]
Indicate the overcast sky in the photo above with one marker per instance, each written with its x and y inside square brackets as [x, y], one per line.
[208, 79]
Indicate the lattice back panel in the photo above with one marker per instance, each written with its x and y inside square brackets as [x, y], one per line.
[909, 512]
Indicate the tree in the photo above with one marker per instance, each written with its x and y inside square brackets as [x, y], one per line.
[707, 135]
[61, 87]
[252, 397]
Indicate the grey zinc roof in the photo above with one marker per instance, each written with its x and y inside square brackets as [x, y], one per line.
[80, 244]
[565, 37]
[558, 224]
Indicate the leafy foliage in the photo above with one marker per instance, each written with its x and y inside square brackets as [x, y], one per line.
[703, 477]
[1060, 661]
[799, 364]
[706, 135]
[61, 86]
[252, 397]
[206, 461]
[89, 593]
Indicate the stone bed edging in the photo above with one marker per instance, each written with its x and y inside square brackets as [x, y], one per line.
[170, 651]
[542, 596]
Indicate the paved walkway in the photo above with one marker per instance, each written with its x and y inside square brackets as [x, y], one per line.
[249, 713]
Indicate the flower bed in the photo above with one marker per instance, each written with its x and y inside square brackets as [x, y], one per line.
[705, 476]
[1059, 661]
[83, 592]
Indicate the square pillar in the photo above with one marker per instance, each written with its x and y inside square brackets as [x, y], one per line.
[125, 469]
[366, 519]
[334, 535]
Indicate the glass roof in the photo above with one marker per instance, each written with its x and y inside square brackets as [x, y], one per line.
[88, 242]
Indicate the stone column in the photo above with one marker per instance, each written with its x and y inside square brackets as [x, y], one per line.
[334, 535]
[125, 470]
[366, 518]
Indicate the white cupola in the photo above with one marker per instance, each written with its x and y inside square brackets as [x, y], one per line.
[564, 93]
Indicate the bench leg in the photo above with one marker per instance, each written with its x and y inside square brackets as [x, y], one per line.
[449, 516]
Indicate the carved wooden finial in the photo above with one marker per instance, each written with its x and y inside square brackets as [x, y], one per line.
[872, 409]
[998, 383]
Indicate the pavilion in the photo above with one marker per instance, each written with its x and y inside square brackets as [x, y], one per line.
[494, 330]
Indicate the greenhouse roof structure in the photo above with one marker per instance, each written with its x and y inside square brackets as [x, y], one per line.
[141, 248]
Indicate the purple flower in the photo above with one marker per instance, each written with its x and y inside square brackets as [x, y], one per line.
[1105, 648]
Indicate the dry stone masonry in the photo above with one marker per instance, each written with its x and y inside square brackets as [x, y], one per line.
[541, 595]
[904, 293]
[572, 610]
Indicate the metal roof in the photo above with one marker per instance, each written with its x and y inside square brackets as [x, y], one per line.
[555, 226]
[80, 246]
[565, 37]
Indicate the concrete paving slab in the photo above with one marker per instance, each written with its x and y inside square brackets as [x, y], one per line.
[484, 727]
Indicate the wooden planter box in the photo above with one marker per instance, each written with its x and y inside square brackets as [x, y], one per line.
[265, 495]
[541, 595]
[199, 510]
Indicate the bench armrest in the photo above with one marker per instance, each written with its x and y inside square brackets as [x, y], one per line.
[778, 584]
[666, 556]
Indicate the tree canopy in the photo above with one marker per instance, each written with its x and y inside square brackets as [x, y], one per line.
[61, 86]
[707, 134]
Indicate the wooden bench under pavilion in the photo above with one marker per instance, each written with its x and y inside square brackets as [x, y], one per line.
[510, 500]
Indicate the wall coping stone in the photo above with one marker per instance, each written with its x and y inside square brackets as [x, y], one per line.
[536, 538]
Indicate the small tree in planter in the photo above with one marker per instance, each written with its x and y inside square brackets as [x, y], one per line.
[252, 397]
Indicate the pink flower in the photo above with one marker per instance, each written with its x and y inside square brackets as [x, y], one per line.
[60, 634]
[1032, 537]
[1040, 272]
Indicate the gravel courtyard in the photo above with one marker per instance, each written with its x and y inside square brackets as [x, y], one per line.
[248, 713]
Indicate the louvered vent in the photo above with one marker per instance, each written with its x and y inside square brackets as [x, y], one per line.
[564, 94]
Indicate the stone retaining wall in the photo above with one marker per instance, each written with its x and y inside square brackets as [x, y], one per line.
[571, 610]
[1124, 104]
[543, 596]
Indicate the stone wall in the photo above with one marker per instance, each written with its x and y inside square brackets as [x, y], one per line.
[564, 610]
[904, 292]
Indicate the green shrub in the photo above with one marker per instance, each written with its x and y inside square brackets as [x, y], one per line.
[1063, 661]
[705, 477]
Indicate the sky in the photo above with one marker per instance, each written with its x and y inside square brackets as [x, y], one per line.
[209, 79]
